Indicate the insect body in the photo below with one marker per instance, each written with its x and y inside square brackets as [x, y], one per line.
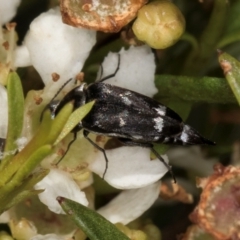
[135, 119]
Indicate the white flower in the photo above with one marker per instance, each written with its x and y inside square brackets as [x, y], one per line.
[136, 71]
[8, 10]
[51, 47]
[130, 204]
[59, 183]
[54, 47]
[192, 159]
[129, 167]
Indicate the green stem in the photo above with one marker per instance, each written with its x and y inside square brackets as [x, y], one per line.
[191, 39]
[198, 59]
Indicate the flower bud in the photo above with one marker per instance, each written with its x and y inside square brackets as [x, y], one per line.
[160, 24]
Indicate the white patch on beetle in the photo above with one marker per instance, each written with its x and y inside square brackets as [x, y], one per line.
[106, 89]
[156, 138]
[138, 137]
[184, 136]
[158, 123]
[128, 93]
[125, 99]
[166, 139]
[122, 122]
[161, 110]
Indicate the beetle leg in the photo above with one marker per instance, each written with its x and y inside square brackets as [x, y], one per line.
[129, 142]
[85, 134]
[68, 147]
[113, 74]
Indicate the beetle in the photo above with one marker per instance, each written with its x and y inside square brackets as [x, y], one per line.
[134, 119]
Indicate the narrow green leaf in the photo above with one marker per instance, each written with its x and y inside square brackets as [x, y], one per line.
[31, 163]
[74, 119]
[46, 134]
[15, 114]
[232, 22]
[92, 224]
[59, 122]
[231, 69]
[11, 195]
[36, 142]
[34, 178]
[214, 29]
[194, 89]
[18, 198]
[229, 38]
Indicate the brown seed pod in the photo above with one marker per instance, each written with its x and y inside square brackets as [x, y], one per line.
[100, 15]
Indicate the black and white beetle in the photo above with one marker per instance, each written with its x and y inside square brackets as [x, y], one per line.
[134, 119]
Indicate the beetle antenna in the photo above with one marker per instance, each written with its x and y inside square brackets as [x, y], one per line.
[113, 74]
[61, 88]
[51, 101]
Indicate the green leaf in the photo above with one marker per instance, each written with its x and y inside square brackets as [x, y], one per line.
[15, 114]
[36, 142]
[232, 25]
[18, 198]
[194, 89]
[59, 122]
[92, 224]
[74, 119]
[229, 38]
[231, 69]
[31, 163]
[232, 22]
[10, 194]
[34, 178]
[46, 134]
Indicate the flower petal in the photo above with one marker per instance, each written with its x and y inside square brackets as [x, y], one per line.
[192, 158]
[55, 47]
[130, 204]
[47, 237]
[5, 217]
[58, 183]
[22, 57]
[8, 10]
[136, 71]
[129, 167]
